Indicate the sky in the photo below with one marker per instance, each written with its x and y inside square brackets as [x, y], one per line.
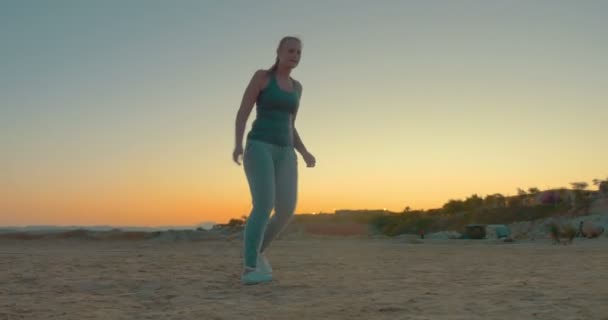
[122, 112]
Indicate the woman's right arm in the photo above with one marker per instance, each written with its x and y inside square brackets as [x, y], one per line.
[247, 103]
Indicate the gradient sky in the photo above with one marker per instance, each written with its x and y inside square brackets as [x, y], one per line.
[122, 112]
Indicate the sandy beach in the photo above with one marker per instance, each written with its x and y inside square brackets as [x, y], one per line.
[315, 278]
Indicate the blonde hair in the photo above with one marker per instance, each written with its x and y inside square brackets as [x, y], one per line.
[281, 43]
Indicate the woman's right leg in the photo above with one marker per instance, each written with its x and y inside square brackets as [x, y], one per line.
[259, 168]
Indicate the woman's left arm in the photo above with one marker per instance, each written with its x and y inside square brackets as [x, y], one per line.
[297, 141]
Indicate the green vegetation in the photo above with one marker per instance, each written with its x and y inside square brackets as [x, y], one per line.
[456, 214]
[439, 220]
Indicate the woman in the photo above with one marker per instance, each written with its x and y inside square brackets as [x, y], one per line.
[269, 158]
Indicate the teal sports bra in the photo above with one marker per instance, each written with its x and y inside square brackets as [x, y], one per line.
[275, 108]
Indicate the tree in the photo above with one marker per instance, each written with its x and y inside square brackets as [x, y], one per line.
[496, 200]
[236, 222]
[521, 192]
[602, 185]
[580, 200]
[473, 202]
[579, 185]
[453, 206]
[514, 202]
[533, 190]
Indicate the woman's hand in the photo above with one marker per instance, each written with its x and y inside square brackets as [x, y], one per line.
[237, 154]
[309, 159]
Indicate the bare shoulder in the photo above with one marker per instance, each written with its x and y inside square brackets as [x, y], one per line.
[260, 73]
[298, 85]
[260, 77]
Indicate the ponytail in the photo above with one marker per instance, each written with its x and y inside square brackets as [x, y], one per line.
[274, 67]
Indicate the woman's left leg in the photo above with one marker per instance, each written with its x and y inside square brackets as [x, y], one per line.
[286, 193]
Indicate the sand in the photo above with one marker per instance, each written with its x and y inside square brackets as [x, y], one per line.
[314, 279]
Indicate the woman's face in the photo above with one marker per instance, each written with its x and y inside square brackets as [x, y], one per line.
[289, 53]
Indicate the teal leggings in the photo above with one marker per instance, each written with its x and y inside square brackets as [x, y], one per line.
[272, 173]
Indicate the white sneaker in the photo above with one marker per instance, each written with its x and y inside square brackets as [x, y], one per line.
[263, 265]
[255, 277]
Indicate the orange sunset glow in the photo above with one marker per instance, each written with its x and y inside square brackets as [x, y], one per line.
[113, 117]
